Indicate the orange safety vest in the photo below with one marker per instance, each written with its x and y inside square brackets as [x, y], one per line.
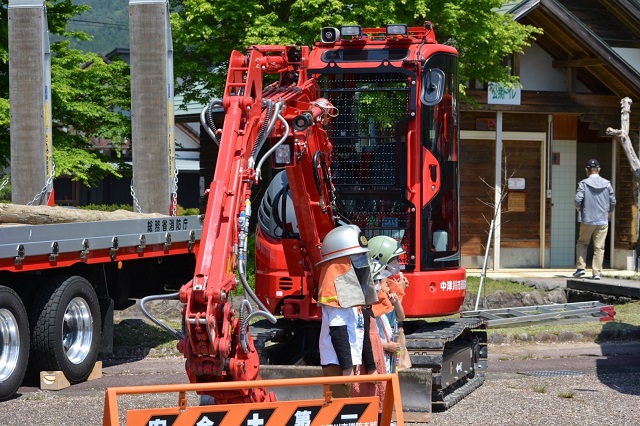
[329, 271]
[383, 306]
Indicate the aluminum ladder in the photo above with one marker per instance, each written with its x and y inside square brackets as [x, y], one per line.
[560, 313]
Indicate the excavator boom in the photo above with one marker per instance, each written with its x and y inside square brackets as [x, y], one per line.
[289, 114]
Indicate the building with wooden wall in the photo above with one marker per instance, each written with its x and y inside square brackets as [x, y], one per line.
[534, 142]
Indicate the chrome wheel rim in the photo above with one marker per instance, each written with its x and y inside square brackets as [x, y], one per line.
[9, 344]
[77, 330]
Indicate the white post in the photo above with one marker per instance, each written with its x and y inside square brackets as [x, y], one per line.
[484, 263]
[497, 193]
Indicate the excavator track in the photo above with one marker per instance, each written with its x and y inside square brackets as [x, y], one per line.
[456, 352]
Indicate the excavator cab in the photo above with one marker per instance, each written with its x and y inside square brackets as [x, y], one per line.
[393, 165]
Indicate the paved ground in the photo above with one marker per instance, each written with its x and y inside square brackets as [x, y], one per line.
[557, 278]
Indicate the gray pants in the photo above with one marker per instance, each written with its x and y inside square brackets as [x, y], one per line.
[599, 235]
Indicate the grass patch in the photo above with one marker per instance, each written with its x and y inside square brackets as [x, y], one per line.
[540, 388]
[491, 286]
[625, 326]
[567, 394]
[130, 335]
[34, 397]
[136, 334]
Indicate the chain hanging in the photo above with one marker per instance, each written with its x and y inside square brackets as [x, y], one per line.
[136, 204]
[6, 181]
[46, 189]
[174, 194]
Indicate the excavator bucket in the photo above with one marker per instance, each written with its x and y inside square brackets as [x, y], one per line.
[322, 410]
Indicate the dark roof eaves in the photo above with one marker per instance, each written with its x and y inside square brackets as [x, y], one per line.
[523, 8]
[593, 42]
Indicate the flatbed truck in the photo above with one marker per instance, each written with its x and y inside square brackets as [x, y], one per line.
[60, 284]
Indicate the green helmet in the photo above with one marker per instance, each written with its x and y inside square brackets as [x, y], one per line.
[382, 249]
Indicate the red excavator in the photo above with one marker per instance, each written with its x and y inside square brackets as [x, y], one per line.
[362, 129]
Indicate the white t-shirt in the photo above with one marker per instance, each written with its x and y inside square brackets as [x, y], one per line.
[332, 317]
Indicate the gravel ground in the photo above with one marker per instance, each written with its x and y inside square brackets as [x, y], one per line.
[595, 390]
[499, 401]
[599, 389]
[530, 400]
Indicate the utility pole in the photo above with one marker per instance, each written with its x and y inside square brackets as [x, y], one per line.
[30, 100]
[152, 122]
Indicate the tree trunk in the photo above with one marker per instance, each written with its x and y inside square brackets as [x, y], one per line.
[622, 136]
[40, 215]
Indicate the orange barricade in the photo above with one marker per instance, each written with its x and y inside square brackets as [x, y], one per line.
[326, 411]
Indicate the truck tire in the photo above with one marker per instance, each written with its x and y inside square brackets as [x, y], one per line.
[65, 334]
[14, 342]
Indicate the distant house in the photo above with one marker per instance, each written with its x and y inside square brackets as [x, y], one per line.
[117, 191]
[539, 138]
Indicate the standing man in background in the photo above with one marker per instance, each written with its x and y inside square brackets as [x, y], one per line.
[594, 201]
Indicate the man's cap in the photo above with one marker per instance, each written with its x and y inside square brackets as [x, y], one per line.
[592, 163]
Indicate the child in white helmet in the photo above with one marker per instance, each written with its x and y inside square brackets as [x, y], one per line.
[345, 286]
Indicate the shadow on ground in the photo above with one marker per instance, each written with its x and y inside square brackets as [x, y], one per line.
[620, 367]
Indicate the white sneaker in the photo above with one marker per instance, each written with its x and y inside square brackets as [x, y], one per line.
[595, 277]
[578, 273]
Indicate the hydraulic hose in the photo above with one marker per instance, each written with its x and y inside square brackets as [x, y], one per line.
[273, 148]
[173, 296]
[264, 129]
[206, 119]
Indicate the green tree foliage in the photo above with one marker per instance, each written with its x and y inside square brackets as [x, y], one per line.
[107, 22]
[206, 31]
[90, 99]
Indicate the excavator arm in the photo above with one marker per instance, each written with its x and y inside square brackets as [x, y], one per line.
[288, 114]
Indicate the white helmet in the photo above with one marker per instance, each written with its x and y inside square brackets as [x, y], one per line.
[342, 241]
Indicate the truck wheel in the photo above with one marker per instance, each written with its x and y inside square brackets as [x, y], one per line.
[66, 328]
[14, 342]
